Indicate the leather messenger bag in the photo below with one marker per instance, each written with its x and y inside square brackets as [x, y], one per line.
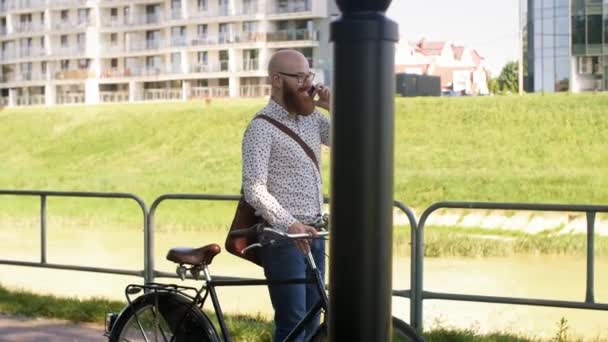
[245, 216]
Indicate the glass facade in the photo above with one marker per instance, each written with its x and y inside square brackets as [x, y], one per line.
[566, 45]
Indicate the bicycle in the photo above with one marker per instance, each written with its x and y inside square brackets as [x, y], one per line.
[169, 312]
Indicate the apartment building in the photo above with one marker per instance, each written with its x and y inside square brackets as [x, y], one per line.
[99, 51]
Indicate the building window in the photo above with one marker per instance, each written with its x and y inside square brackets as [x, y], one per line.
[64, 64]
[64, 41]
[83, 64]
[223, 60]
[203, 57]
[250, 26]
[64, 15]
[201, 31]
[202, 5]
[43, 68]
[594, 29]
[114, 63]
[81, 41]
[113, 13]
[113, 39]
[83, 15]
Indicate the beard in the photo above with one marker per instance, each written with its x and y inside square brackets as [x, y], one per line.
[298, 101]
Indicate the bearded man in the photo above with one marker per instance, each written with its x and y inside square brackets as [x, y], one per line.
[283, 184]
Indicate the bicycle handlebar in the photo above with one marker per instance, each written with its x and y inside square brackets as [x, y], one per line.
[265, 235]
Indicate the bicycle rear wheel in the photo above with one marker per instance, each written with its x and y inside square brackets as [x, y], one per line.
[402, 332]
[163, 316]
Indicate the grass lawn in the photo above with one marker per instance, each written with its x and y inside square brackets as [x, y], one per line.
[535, 148]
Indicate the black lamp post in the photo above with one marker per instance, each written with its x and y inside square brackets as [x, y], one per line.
[362, 172]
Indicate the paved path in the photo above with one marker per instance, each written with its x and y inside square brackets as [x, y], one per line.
[43, 330]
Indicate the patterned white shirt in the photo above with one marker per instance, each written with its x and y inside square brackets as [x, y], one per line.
[279, 179]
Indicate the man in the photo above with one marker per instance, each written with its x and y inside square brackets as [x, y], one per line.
[282, 183]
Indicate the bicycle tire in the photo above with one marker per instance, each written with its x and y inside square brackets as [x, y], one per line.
[402, 332]
[178, 320]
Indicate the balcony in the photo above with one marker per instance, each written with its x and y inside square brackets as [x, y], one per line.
[209, 92]
[162, 94]
[30, 100]
[69, 51]
[176, 13]
[248, 9]
[258, 90]
[219, 12]
[114, 96]
[32, 52]
[249, 37]
[68, 3]
[220, 66]
[147, 19]
[25, 27]
[292, 35]
[115, 72]
[70, 98]
[178, 41]
[29, 76]
[73, 74]
[250, 65]
[71, 25]
[289, 7]
[144, 45]
[18, 5]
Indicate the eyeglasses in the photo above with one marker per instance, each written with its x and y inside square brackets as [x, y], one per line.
[301, 77]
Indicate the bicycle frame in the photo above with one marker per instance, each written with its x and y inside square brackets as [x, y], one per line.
[208, 289]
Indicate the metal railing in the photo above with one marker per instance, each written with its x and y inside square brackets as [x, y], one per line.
[113, 96]
[30, 100]
[162, 94]
[209, 92]
[417, 256]
[44, 195]
[416, 292]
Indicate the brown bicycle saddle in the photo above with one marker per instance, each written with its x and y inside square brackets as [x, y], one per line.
[194, 256]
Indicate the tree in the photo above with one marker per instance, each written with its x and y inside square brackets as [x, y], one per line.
[507, 81]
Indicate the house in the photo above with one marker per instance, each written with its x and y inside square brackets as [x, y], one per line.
[460, 68]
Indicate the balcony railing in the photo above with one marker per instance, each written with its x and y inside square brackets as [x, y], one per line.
[71, 25]
[208, 67]
[261, 90]
[74, 74]
[69, 51]
[249, 37]
[162, 94]
[115, 72]
[179, 41]
[209, 92]
[176, 13]
[218, 12]
[28, 76]
[141, 45]
[17, 5]
[147, 19]
[70, 98]
[22, 27]
[30, 100]
[114, 96]
[249, 9]
[68, 3]
[289, 7]
[292, 35]
[31, 52]
[250, 65]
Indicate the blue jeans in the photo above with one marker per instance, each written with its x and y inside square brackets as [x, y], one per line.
[292, 302]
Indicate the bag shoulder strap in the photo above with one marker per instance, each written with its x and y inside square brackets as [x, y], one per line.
[293, 135]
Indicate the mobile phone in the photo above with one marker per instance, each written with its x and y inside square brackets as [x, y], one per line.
[311, 91]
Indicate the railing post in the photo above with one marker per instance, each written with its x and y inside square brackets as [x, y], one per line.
[590, 256]
[149, 247]
[43, 229]
[417, 282]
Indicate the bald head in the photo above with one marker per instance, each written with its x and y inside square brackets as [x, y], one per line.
[289, 61]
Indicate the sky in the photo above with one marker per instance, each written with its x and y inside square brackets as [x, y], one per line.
[489, 26]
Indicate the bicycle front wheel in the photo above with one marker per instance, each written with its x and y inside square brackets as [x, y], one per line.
[163, 316]
[402, 332]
